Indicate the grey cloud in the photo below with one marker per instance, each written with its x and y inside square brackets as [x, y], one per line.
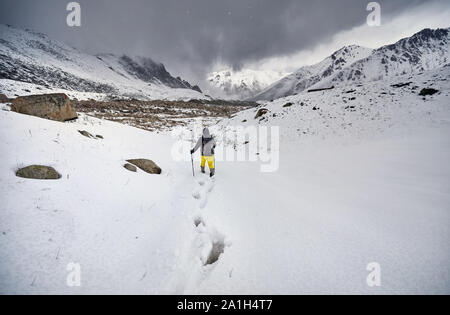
[190, 35]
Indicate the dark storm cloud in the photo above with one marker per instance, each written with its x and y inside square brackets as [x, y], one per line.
[190, 35]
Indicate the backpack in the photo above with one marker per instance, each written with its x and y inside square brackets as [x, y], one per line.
[205, 141]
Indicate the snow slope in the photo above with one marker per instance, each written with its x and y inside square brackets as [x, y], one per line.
[36, 59]
[355, 113]
[12, 89]
[426, 50]
[244, 83]
[355, 186]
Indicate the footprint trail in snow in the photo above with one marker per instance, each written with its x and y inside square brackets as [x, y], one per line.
[213, 241]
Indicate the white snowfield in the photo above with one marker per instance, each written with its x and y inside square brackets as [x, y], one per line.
[369, 184]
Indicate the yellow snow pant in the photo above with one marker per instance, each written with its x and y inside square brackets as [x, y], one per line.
[209, 159]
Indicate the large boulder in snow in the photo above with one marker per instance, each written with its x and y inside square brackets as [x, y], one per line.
[146, 165]
[261, 112]
[426, 92]
[38, 172]
[50, 106]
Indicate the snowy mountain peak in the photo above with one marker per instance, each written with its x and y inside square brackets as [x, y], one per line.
[146, 69]
[428, 34]
[36, 59]
[426, 50]
[244, 83]
[307, 76]
[340, 59]
[350, 50]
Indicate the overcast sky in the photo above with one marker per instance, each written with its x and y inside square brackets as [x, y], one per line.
[192, 37]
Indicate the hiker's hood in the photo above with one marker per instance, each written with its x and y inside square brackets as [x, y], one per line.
[206, 133]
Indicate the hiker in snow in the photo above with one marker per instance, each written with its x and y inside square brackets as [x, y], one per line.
[208, 144]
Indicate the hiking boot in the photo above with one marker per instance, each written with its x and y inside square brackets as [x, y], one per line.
[203, 170]
[213, 172]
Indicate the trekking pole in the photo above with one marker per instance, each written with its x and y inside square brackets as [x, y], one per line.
[192, 161]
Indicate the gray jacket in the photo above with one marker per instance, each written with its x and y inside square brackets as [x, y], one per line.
[207, 143]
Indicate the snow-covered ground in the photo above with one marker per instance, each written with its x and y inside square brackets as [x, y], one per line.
[330, 210]
[344, 196]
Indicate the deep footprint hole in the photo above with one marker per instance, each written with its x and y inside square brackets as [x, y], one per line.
[218, 249]
[196, 195]
[198, 221]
